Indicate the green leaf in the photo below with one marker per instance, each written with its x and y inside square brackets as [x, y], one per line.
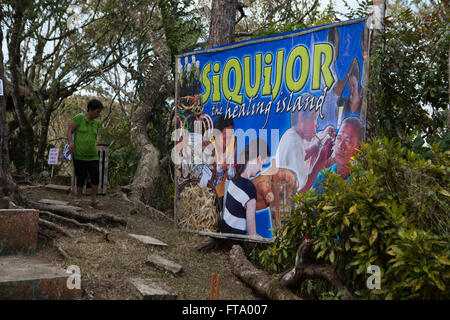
[439, 284]
[321, 253]
[346, 221]
[398, 264]
[373, 236]
[332, 256]
[347, 245]
[355, 239]
[353, 208]
[443, 260]
[380, 204]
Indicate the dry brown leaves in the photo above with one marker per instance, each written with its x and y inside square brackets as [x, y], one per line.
[196, 209]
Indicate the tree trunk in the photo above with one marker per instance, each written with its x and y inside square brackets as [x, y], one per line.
[448, 91]
[258, 280]
[45, 122]
[8, 188]
[277, 287]
[15, 63]
[376, 35]
[148, 170]
[303, 270]
[223, 15]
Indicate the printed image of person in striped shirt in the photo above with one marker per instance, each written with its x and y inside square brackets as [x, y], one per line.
[240, 202]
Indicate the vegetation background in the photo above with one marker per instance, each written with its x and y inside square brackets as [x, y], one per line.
[394, 213]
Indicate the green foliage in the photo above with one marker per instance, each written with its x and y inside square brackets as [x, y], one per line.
[330, 295]
[123, 158]
[181, 26]
[288, 16]
[163, 199]
[122, 166]
[16, 146]
[413, 70]
[392, 212]
[362, 9]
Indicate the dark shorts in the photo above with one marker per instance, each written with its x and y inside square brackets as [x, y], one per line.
[82, 168]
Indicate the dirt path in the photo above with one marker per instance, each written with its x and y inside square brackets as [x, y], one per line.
[107, 266]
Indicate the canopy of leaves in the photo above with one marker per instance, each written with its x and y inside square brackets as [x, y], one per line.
[413, 70]
[392, 212]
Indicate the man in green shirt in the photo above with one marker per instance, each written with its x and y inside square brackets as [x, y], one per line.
[83, 147]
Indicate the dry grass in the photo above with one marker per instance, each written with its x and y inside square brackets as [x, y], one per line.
[107, 266]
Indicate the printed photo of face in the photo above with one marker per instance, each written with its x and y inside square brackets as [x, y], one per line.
[347, 141]
[306, 128]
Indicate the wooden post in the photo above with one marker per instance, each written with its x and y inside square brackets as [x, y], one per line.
[376, 26]
[217, 287]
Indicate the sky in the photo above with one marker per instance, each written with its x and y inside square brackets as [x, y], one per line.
[339, 5]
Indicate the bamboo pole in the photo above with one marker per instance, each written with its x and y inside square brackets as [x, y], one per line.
[217, 287]
[211, 294]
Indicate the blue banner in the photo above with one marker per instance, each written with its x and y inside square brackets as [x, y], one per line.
[259, 121]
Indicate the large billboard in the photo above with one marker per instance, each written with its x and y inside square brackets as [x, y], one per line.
[258, 121]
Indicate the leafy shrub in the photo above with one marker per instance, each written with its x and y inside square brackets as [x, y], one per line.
[392, 212]
[122, 166]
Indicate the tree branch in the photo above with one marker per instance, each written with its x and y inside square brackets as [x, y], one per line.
[258, 280]
[301, 271]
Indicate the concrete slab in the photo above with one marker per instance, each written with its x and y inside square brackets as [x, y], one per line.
[70, 207]
[61, 204]
[147, 289]
[148, 240]
[18, 231]
[54, 202]
[29, 278]
[158, 261]
[58, 187]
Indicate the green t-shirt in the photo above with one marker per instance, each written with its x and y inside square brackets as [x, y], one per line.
[85, 140]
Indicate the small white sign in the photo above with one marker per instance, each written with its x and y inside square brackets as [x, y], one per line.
[53, 155]
[1, 87]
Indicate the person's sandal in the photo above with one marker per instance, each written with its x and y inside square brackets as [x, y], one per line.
[96, 204]
[79, 203]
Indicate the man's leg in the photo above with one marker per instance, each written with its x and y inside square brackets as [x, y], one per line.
[80, 172]
[94, 174]
[79, 193]
[94, 190]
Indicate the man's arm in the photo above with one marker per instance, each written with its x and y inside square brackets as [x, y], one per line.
[340, 84]
[70, 130]
[250, 215]
[325, 153]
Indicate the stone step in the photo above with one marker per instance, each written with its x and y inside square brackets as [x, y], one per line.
[54, 202]
[70, 207]
[148, 240]
[18, 231]
[60, 204]
[147, 289]
[58, 187]
[158, 261]
[30, 278]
